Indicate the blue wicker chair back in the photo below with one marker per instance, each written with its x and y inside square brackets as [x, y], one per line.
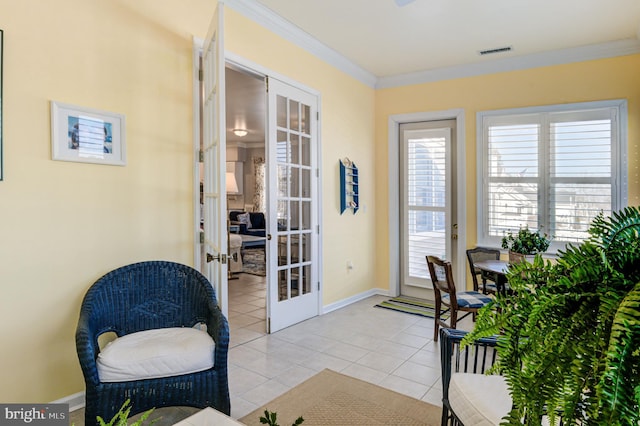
[145, 296]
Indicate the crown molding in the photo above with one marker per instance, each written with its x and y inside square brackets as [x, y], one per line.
[624, 47]
[275, 23]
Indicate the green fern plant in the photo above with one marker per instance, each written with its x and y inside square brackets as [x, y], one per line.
[121, 418]
[569, 333]
[271, 419]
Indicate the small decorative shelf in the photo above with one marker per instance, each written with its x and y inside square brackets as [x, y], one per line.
[349, 198]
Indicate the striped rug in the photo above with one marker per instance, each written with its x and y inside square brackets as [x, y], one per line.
[412, 305]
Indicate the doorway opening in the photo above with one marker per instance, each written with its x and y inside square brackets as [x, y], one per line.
[246, 106]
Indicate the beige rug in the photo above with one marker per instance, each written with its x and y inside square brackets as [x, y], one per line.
[331, 398]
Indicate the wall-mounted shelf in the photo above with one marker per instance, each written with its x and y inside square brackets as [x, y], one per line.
[349, 198]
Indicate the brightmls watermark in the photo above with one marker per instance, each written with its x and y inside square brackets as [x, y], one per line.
[34, 414]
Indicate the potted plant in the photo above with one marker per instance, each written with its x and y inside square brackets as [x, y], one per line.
[569, 332]
[524, 244]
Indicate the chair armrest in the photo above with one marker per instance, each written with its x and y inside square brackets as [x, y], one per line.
[87, 348]
[218, 329]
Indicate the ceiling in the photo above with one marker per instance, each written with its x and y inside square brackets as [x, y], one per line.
[386, 45]
[386, 40]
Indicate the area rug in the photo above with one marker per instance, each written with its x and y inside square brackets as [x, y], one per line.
[253, 261]
[333, 399]
[412, 305]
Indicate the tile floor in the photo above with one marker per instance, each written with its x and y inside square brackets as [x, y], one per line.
[387, 348]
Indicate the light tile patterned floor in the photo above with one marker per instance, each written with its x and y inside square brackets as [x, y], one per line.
[387, 348]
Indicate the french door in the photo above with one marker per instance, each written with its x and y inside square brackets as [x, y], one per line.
[214, 164]
[426, 201]
[292, 175]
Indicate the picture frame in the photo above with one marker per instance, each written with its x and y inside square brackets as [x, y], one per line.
[87, 135]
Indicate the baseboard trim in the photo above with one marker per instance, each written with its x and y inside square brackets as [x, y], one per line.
[75, 401]
[353, 299]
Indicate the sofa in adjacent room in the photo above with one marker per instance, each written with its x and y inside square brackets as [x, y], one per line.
[249, 223]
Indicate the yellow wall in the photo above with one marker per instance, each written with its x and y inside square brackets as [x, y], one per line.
[615, 78]
[63, 225]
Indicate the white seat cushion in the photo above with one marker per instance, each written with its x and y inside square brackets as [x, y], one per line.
[478, 399]
[156, 353]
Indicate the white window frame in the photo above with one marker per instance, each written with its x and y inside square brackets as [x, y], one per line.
[619, 150]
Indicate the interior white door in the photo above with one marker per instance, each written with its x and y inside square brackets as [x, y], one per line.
[292, 176]
[214, 153]
[426, 201]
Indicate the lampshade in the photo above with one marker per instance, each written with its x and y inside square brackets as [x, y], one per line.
[232, 184]
[240, 132]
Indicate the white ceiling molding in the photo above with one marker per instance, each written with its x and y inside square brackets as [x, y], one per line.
[553, 57]
[274, 22]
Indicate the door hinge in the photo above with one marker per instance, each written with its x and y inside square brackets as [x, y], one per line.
[201, 237]
[318, 229]
[200, 156]
[318, 285]
[266, 83]
[200, 75]
[269, 325]
[318, 115]
[317, 173]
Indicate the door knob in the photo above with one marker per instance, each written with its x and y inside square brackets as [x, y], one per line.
[222, 258]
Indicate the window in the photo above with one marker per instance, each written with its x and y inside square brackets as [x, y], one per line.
[551, 168]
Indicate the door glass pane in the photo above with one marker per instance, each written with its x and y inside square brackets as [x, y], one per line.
[283, 180]
[295, 182]
[306, 119]
[282, 150]
[306, 279]
[295, 248]
[305, 223]
[295, 149]
[281, 106]
[426, 172]
[283, 285]
[294, 119]
[426, 232]
[305, 149]
[295, 215]
[283, 215]
[305, 249]
[283, 250]
[306, 183]
[295, 282]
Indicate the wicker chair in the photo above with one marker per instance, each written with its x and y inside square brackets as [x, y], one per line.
[474, 359]
[147, 296]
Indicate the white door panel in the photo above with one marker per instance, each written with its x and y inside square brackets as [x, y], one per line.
[292, 241]
[214, 153]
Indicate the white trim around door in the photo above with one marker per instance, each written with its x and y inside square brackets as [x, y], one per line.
[394, 196]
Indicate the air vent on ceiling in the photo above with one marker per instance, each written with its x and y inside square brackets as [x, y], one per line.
[496, 50]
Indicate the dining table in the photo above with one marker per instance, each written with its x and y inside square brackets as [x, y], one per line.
[498, 268]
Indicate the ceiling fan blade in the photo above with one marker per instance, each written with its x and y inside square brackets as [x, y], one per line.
[403, 2]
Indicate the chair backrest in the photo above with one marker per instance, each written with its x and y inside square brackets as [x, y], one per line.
[441, 276]
[480, 254]
[148, 295]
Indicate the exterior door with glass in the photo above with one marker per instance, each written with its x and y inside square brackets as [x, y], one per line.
[426, 201]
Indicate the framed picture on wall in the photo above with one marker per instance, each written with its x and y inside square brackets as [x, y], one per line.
[87, 135]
